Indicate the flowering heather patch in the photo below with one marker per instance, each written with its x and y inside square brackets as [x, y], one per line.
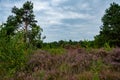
[76, 64]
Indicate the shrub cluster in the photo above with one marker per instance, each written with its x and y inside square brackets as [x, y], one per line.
[76, 64]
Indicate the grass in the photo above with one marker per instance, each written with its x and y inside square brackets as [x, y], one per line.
[56, 51]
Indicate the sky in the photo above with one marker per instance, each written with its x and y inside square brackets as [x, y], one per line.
[63, 19]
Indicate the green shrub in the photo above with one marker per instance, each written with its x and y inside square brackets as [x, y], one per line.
[87, 75]
[13, 55]
[107, 47]
[39, 75]
[56, 51]
[96, 68]
[64, 68]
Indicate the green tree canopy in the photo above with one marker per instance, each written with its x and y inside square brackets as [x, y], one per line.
[23, 20]
[110, 30]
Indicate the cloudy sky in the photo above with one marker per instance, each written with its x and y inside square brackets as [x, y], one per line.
[64, 19]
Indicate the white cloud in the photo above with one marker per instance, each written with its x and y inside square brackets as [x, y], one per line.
[83, 6]
[51, 13]
[57, 2]
[74, 15]
[38, 6]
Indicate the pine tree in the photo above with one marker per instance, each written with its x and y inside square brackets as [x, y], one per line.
[23, 20]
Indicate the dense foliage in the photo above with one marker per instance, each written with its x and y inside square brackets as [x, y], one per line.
[65, 44]
[110, 30]
[13, 55]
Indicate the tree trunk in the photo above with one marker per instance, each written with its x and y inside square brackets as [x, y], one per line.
[26, 31]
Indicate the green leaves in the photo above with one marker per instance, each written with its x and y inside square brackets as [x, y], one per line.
[13, 54]
[110, 29]
[28, 5]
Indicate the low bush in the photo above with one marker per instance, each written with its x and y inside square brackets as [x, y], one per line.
[13, 56]
[55, 51]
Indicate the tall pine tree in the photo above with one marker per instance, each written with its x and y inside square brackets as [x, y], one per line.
[23, 20]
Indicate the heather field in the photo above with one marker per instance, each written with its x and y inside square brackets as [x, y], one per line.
[75, 45]
[73, 64]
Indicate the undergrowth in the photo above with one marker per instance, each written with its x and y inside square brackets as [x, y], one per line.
[72, 66]
[13, 56]
[55, 51]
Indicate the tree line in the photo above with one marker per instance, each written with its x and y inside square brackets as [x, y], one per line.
[23, 22]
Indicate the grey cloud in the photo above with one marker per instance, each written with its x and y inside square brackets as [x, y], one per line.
[64, 19]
